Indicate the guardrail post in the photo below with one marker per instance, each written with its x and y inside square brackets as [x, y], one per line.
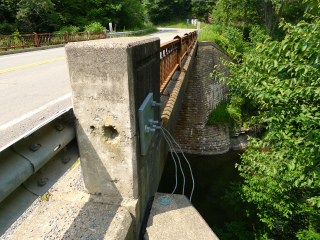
[66, 37]
[35, 39]
[88, 35]
[105, 32]
[179, 51]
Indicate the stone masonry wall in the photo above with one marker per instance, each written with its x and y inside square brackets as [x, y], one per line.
[201, 96]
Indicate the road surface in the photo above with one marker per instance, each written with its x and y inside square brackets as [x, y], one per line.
[34, 86]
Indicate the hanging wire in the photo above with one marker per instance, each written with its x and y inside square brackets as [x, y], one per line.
[174, 160]
[172, 148]
[193, 184]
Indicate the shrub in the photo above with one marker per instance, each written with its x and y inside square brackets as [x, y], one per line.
[210, 35]
[94, 27]
[258, 35]
[234, 108]
[235, 39]
[219, 114]
[69, 29]
[282, 171]
[6, 28]
[217, 29]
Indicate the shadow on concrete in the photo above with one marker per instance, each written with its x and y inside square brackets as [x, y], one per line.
[176, 202]
[92, 222]
[95, 216]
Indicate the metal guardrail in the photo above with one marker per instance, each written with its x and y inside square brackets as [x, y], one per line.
[125, 34]
[26, 156]
[43, 39]
[171, 55]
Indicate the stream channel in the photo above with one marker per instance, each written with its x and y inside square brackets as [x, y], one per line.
[212, 176]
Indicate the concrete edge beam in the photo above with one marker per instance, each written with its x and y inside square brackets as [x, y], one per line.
[174, 217]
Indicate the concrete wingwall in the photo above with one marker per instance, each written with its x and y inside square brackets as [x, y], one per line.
[202, 95]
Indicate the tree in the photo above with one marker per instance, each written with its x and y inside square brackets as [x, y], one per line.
[34, 15]
[282, 170]
[267, 12]
[7, 21]
[202, 10]
[167, 10]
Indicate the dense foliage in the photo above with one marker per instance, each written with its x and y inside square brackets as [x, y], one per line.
[27, 16]
[248, 12]
[168, 10]
[282, 170]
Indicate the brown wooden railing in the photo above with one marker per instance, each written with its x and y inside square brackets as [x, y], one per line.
[171, 55]
[43, 39]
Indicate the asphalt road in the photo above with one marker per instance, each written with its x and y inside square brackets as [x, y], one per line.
[34, 87]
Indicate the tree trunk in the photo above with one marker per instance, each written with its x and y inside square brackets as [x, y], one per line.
[245, 19]
[278, 18]
[269, 13]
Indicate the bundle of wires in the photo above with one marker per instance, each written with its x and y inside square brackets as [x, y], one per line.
[169, 139]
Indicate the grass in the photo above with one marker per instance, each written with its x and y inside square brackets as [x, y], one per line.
[212, 33]
[219, 114]
[75, 164]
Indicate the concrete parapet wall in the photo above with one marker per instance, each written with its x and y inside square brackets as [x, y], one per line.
[202, 95]
[110, 79]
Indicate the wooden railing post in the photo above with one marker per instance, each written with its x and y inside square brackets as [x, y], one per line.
[35, 39]
[88, 35]
[66, 37]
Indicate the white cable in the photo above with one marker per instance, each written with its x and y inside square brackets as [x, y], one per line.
[186, 161]
[181, 169]
[175, 163]
[171, 147]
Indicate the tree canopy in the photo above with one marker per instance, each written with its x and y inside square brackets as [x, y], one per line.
[27, 16]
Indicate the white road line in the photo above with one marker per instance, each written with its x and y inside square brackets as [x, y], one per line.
[29, 114]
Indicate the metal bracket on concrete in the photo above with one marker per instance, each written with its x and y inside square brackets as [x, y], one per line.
[147, 124]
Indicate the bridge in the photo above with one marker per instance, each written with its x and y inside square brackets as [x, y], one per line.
[117, 85]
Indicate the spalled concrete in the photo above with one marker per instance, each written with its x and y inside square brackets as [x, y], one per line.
[179, 220]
